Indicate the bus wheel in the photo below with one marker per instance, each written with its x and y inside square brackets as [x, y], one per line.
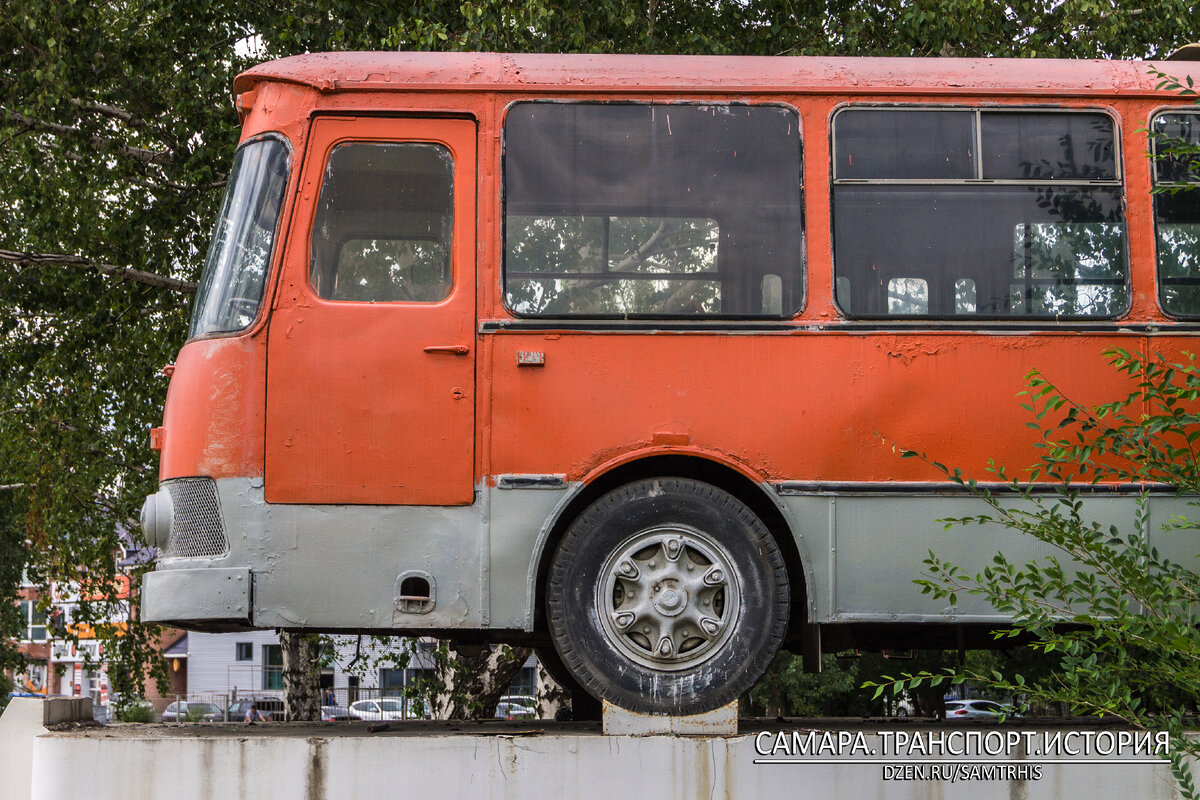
[667, 596]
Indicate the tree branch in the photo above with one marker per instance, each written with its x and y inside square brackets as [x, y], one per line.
[126, 273]
[160, 157]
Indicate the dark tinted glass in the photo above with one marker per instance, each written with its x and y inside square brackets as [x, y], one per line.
[1048, 146]
[1001, 251]
[384, 222]
[1177, 147]
[1177, 211]
[239, 256]
[882, 144]
[616, 209]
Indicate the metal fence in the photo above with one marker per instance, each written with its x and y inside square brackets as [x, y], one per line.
[345, 704]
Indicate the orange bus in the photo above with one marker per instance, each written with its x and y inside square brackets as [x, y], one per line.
[608, 354]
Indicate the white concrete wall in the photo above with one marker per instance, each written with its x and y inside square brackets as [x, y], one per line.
[318, 765]
[19, 725]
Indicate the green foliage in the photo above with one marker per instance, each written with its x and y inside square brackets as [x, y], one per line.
[1120, 617]
[138, 710]
[13, 555]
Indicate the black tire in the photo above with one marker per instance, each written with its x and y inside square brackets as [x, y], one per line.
[681, 563]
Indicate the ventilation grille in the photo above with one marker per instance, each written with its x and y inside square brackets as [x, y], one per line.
[196, 528]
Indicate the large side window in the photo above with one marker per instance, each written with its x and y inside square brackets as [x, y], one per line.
[652, 210]
[1177, 210]
[977, 213]
[384, 223]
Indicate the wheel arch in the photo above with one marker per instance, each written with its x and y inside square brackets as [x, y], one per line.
[731, 478]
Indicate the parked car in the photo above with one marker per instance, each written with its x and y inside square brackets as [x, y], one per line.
[268, 706]
[517, 707]
[192, 712]
[378, 710]
[957, 710]
[334, 714]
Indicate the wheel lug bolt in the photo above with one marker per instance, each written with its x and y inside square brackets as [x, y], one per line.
[651, 565]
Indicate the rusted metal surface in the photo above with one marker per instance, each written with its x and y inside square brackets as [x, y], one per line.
[442, 72]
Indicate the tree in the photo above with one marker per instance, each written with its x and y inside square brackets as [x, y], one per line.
[1120, 616]
[117, 134]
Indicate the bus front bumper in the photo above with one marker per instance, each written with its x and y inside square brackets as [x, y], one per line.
[198, 598]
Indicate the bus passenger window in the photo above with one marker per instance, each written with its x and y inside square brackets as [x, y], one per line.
[652, 210]
[1026, 203]
[1177, 213]
[384, 223]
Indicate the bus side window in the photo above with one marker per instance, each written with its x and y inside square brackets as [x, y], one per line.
[1177, 213]
[1027, 202]
[384, 223]
[652, 210]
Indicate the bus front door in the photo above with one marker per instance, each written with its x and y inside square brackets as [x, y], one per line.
[371, 347]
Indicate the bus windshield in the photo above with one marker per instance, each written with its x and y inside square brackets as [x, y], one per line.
[231, 286]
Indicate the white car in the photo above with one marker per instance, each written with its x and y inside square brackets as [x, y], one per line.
[376, 710]
[517, 707]
[975, 709]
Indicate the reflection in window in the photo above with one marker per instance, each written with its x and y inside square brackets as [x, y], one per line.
[1065, 268]
[391, 270]
[1028, 224]
[239, 256]
[664, 264]
[1177, 211]
[659, 210]
[384, 223]
[964, 296]
[908, 296]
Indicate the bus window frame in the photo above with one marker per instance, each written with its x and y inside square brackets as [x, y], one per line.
[1187, 108]
[1024, 321]
[672, 321]
[278, 241]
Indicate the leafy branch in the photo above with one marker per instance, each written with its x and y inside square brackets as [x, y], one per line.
[1120, 617]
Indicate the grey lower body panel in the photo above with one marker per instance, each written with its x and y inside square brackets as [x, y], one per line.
[868, 548]
[344, 567]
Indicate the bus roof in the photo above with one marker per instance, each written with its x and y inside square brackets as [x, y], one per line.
[404, 71]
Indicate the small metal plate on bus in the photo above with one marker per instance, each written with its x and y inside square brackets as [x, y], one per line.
[531, 358]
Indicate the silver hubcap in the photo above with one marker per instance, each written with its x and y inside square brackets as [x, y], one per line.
[669, 597]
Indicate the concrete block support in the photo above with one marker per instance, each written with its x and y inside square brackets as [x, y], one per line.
[20, 724]
[347, 762]
[719, 722]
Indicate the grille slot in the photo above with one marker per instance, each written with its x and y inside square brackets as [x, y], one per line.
[196, 528]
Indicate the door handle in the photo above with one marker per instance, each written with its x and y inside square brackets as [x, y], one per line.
[449, 349]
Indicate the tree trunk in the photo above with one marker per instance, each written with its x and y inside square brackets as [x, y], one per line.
[301, 676]
[478, 678]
